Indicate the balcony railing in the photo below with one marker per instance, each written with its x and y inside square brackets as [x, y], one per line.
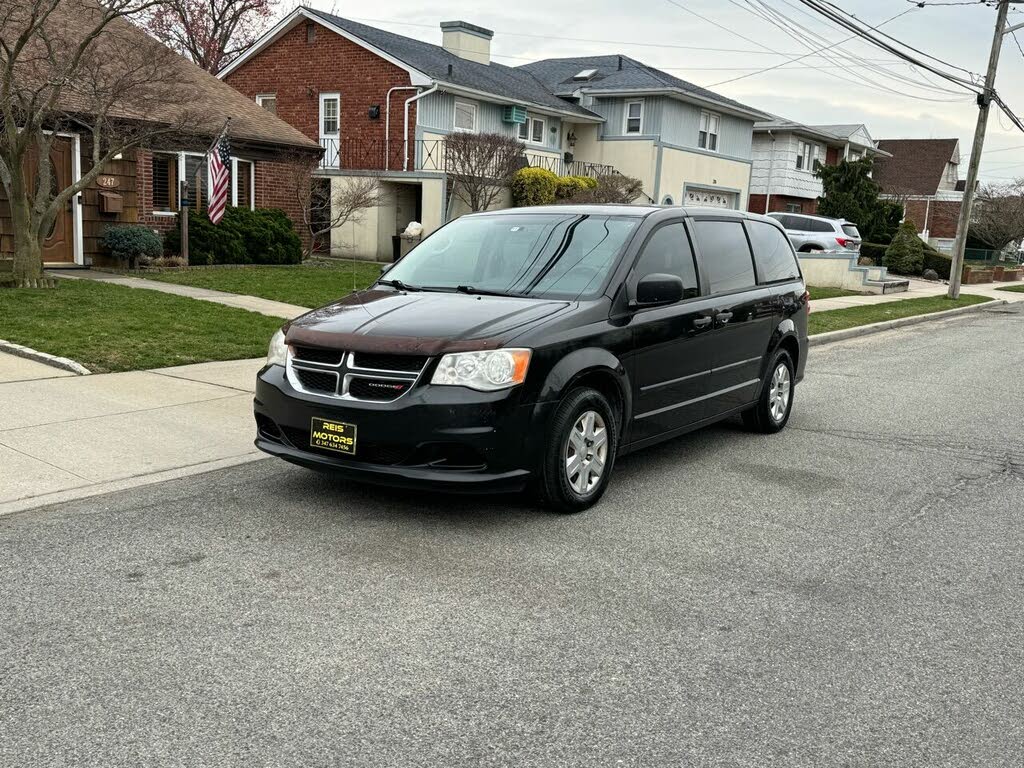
[430, 155]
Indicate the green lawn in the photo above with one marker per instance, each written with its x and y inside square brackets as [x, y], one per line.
[306, 285]
[838, 319]
[1012, 288]
[828, 293]
[113, 328]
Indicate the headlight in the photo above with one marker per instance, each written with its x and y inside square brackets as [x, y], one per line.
[486, 371]
[277, 354]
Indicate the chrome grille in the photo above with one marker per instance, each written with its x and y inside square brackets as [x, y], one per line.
[362, 376]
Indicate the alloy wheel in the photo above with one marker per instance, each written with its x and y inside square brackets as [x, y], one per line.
[779, 392]
[586, 452]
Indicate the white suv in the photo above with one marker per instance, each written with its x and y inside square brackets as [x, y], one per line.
[817, 233]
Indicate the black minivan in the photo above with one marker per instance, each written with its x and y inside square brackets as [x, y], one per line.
[531, 347]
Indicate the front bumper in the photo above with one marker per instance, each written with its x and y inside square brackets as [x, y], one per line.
[449, 438]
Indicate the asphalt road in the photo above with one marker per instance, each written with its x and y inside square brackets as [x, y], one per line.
[849, 592]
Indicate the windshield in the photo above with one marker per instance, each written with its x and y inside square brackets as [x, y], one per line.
[543, 255]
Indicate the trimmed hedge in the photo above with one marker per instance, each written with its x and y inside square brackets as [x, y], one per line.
[128, 242]
[262, 236]
[933, 259]
[873, 251]
[906, 254]
[533, 186]
[570, 186]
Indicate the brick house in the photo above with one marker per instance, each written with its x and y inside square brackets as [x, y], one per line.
[786, 155]
[382, 104]
[142, 186]
[924, 174]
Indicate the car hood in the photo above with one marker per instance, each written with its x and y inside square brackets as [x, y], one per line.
[420, 322]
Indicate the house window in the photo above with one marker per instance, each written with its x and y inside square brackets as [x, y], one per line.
[807, 156]
[242, 176]
[465, 116]
[634, 117]
[537, 131]
[708, 136]
[794, 208]
[165, 183]
[524, 131]
[197, 174]
[268, 101]
[330, 114]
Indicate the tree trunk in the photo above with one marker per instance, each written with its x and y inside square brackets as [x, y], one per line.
[28, 251]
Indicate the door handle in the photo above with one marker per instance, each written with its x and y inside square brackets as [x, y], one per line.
[723, 317]
[701, 322]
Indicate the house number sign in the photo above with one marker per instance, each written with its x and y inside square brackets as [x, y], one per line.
[107, 182]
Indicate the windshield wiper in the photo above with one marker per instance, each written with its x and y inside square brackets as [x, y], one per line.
[399, 285]
[479, 291]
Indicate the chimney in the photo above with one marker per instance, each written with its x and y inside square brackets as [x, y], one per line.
[467, 41]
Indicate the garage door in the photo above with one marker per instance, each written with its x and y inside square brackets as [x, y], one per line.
[710, 198]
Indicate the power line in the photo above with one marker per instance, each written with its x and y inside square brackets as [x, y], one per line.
[799, 58]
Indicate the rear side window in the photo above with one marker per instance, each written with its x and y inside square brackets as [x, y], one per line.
[772, 253]
[851, 230]
[799, 223]
[821, 226]
[725, 255]
[668, 252]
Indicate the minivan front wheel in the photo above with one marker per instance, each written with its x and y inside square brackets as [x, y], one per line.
[580, 452]
[773, 407]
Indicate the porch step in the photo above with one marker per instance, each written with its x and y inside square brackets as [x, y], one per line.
[888, 285]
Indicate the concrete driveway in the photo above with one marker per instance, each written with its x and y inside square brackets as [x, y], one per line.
[848, 592]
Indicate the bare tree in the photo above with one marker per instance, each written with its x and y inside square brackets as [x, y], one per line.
[324, 206]
[75, 65]
[611, 188]
[210, 32]
[481, 166]
[998, 215]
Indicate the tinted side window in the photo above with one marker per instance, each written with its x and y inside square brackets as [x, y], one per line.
[772, 253]
[668, 251]
[799, 223]
[822, 226]
[725, 255]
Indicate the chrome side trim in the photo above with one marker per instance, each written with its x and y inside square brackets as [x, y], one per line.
[697, 399]
[737, 364]
[674, 381]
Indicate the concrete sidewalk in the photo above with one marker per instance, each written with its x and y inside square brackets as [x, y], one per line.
[15, 368]
[65, 437]
[251, 303]
[919, 289]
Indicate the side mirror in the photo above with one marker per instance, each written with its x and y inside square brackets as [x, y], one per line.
[657, 289]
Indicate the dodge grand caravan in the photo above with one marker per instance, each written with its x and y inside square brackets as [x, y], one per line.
[532, 347]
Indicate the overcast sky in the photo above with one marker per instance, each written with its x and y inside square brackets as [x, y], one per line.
[814, 90]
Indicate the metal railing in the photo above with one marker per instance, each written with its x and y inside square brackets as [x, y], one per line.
[353, 153]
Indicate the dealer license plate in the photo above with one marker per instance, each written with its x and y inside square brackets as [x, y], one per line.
[333, 436]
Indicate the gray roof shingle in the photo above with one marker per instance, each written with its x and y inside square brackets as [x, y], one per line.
[516, 84]
[620, 73]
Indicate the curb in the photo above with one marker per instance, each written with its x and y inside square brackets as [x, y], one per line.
[865, 330]
[45, 358]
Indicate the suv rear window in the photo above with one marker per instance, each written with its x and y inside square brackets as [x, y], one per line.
[725, 255]
[773, 253]
[851, 230]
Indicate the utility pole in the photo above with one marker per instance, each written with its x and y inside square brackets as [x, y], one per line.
[984, 103]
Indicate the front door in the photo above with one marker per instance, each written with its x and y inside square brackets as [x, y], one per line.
[330, 129]
[59, 244]
[671, 345]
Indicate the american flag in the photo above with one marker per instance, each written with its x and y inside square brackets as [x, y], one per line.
[220, 178]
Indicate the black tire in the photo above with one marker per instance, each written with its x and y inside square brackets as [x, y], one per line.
[761, 417]
[553, 487]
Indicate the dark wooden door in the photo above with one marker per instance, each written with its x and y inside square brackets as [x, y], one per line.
[59, 245]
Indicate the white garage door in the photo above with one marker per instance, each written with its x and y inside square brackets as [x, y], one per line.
[709, 198]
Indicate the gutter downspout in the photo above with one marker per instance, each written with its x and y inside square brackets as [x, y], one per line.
[771, 168]
[405, 130]
[387, 121]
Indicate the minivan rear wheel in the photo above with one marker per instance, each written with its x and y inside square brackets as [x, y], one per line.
[580, 452]
[773, 407]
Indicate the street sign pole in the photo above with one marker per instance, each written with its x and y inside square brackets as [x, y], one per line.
[984, 104]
